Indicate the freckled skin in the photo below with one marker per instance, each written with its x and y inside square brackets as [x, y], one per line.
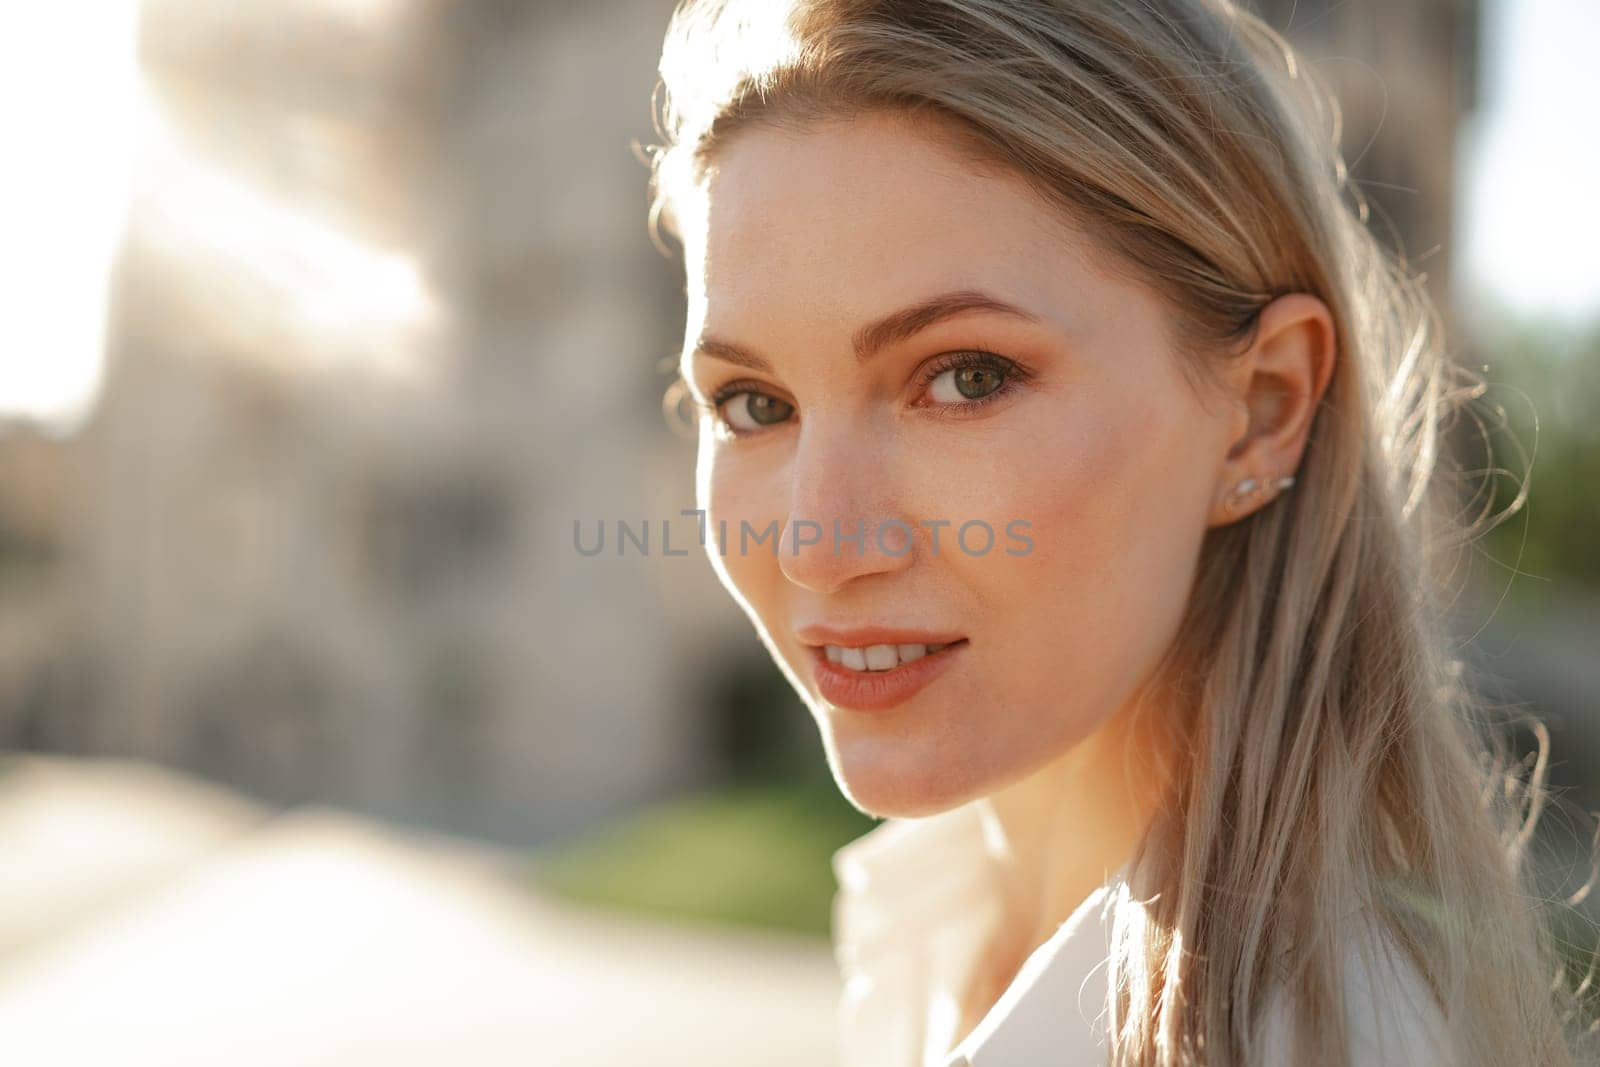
[1106, 451]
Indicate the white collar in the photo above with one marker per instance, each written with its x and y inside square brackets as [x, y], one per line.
[915, 906]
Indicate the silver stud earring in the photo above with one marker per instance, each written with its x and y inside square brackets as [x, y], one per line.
[1247, 491]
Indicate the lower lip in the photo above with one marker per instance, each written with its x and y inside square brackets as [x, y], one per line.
[877, 690]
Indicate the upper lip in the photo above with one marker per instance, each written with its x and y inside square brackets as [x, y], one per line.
[819, 634]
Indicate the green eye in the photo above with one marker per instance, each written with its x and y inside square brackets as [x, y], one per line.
[749, 411]
[973, 382]
[970, 382]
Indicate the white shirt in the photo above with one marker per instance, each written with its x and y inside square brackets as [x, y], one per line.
[916, 905]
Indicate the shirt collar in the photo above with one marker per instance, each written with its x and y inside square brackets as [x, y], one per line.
[914, 906]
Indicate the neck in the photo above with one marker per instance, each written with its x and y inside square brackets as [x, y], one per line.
[1057, 834]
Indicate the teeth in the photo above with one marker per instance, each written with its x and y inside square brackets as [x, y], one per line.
[877, 657]
[882, 658]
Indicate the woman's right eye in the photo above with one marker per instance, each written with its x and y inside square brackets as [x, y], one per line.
[746, 411]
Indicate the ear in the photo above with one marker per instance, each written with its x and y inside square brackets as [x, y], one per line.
[1278, 384]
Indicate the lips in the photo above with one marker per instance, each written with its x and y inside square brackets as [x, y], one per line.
[818, 634]
[880, 690]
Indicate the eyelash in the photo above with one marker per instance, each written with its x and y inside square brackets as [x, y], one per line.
[1012, 375]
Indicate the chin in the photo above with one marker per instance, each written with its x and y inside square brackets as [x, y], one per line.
[891, 789]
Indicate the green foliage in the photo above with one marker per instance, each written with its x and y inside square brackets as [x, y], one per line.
[1547, 381]
[755, 851]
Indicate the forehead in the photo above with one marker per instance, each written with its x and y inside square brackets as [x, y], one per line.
[839, 219]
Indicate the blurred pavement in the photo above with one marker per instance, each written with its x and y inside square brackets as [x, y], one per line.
[147, 918]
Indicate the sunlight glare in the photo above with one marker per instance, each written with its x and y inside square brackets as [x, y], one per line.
[68, 91]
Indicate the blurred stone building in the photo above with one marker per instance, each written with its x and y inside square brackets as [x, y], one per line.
[1405, 75]
[388, 322]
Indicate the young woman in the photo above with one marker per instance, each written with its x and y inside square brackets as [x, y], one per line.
[1069, 443]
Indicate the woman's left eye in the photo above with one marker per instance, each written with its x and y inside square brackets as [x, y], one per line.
[964, 379]
[965, 383]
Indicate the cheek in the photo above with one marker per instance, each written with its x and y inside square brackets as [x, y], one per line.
[740, 506]
[1110, 490]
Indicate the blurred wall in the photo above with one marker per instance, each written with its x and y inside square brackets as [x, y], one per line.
[1405, 76]
[388, 321]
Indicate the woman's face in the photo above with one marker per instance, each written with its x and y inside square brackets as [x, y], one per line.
[903, 345]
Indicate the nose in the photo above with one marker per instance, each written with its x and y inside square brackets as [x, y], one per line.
[845, 520]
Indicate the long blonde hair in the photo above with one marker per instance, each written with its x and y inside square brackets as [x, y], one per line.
[1340, 760]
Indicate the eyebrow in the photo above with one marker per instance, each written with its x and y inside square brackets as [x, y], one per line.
[891, 329]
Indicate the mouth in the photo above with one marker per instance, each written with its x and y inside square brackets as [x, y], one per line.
[881, 676]
[883, 657]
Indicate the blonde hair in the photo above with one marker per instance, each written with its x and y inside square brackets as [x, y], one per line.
[1339, 756]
